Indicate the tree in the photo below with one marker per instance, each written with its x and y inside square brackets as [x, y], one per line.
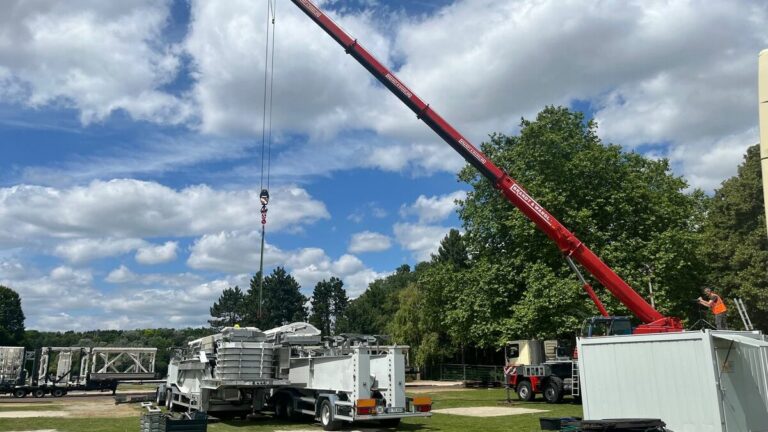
[321, 307]
[372, 311]
[329, 305]
[735, 245]
[627, 208]
[11, 317]
[282, 301]
[229, 309]
[452, 250]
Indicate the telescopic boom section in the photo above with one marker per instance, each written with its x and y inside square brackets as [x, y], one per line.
[570, 246]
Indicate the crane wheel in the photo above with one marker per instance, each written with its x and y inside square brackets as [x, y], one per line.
[553, 390]
[525, 391]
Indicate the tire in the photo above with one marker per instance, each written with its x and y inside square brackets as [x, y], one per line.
[290, 409]
[326, 417]
[281, 407]
[390, 423]
[38, 393]
[168, 399]
[158, 397]
[553, 390]
[20, 393]
[525, 391]
[57, 392]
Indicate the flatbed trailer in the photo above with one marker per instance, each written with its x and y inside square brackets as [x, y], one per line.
[31, 372]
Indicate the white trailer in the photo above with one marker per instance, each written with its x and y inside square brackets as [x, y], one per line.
[695, 381]
[348, 378]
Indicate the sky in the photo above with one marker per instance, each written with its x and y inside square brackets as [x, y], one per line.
[131, 133]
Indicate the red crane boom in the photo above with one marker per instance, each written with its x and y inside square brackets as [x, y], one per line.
[572, 248]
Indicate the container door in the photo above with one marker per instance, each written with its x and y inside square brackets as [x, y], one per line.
[743, 370]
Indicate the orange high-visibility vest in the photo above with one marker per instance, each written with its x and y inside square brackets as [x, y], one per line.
[719, 306]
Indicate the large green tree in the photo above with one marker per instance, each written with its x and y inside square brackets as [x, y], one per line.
[372, 311]
[329, 305]
[735, 244]
[11, 317]
[229, 309]
[630, 209]
[281, 300]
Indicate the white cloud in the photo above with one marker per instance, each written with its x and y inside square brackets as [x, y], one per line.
[235, 252]
[66, 298]
[368, 241]
[121, 274]
[314, 87]
[130, 209]
[95, 57]
[433, 209]
[83, 250]
[232, 251]
[157, 254]
[421, 240]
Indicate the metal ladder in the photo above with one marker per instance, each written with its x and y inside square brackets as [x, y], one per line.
[575, 389]
[743, 314]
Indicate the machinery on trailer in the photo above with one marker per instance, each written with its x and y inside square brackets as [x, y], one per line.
[228, 372]
[292, 372]
[24, 372]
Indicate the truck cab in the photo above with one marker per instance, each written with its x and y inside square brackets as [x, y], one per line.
[606, 326]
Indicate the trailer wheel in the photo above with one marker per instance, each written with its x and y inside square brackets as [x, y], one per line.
[38, 393]
[525, 391]
[290, 409]
[57, 392]
[553, 390]
[390, 423]
[19, 393]
[326, 417]
[281, 407]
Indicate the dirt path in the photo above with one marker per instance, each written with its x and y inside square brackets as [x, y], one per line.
[71, 407]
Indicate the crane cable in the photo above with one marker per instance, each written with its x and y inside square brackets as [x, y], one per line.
[266, 134]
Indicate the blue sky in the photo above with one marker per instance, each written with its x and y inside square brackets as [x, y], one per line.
[131, 133]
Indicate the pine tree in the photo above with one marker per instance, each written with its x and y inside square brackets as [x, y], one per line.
[452, 250]
[340, 302]
[281, 302]
[321, 307]
[229, 309]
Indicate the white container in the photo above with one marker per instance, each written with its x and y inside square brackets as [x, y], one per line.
[696, 381]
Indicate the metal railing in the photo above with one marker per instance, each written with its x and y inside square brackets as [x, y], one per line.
[465, 372]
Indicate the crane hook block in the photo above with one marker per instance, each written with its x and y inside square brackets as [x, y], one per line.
[264, 197]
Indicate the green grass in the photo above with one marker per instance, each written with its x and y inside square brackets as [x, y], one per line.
[438, 422]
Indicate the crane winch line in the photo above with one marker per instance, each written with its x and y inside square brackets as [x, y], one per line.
[266, 137]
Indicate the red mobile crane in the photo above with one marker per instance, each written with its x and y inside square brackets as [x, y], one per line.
[571, 247]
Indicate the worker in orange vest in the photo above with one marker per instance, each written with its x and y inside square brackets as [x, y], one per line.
[717, 305]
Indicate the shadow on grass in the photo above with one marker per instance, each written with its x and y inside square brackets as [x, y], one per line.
[269, 422]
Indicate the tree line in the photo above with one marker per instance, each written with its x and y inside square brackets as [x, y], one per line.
[501, 279]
